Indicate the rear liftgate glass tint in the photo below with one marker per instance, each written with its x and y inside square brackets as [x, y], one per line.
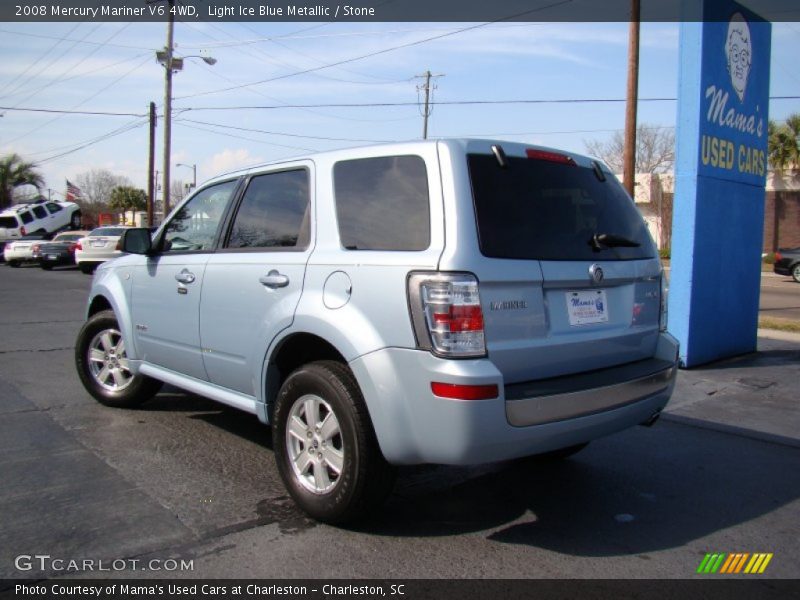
[546, 210]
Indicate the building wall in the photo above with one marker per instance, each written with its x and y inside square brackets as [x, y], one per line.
[654, 193]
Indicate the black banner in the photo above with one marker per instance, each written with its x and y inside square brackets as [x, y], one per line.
[411, 589]
[368, 10]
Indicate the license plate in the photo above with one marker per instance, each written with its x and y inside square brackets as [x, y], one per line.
[52, 257]
[587, 307]
[98, 244]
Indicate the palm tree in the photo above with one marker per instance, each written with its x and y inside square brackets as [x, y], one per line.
[15, 172]
[783, 143]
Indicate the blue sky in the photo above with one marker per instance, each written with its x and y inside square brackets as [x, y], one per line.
[111, 67]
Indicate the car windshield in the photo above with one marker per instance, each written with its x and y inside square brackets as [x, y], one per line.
[545, 210]
[107, 231]
[8, 222]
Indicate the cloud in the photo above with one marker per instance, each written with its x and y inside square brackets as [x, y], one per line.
[229, 160]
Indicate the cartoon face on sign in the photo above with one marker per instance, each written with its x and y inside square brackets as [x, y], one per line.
[739, 53]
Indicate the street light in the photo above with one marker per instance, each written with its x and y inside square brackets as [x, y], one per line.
[194, 172]
[172, 64]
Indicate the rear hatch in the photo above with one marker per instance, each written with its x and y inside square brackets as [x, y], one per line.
[569, 275]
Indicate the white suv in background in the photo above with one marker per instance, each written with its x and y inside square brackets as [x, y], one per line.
[43, 216]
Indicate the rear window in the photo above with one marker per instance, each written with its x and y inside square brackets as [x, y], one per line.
[101, 231]
[382, 203]
[9, 222]
[542, 210]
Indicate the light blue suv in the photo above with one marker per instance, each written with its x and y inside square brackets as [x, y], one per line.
[453, 302]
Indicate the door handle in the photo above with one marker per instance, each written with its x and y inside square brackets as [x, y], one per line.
[274, 280]
[185, 276]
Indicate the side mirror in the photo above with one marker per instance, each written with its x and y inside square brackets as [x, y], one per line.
[137, 241]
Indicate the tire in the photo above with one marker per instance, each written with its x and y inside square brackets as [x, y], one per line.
[796, 272]
[13, 263]
[46, 266]
[75, 221]
[102, 365]
[87, 268]
[343, 440]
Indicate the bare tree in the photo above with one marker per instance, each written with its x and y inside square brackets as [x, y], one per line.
[177, 191]
[655, 149]
[96, 185]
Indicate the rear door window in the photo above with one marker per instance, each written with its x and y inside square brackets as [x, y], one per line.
[274, 212]
[382, 203]
[544, 210]
[26, 217]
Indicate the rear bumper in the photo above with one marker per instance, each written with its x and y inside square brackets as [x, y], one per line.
[782, 269]
[413, 426]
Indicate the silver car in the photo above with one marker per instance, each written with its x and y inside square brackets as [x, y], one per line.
[453, 302]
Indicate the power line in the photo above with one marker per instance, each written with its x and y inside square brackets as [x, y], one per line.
[68, 39]
[378, 52]
[241, 137]
[124, 129]
[73, 112]
[296, 135]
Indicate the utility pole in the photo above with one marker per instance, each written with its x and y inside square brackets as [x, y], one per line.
[168, 102]
[629, 153]
[427, 75]
[151, 165]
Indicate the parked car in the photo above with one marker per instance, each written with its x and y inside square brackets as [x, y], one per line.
[787, 262]
[42, 216]
[100, 245]
[59, 251]
[453, 302]
[22, 250]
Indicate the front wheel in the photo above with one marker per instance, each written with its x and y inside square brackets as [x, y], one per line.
[325, 446]
[103, 368]
[796, 272]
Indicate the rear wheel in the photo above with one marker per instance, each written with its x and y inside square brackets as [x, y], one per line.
[796, 272]
[46, 266]
[102, 363]
[325, 446]
[13, 263]
[87, 268]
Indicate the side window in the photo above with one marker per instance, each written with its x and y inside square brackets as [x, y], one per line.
[382, 203]
[26, 217]
[40, 212]
[53, 207]
[274, 212]
[194, 227]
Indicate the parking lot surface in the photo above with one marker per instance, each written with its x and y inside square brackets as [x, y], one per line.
[185, 479]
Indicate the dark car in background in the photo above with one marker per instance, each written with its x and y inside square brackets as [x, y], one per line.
[787, 262]
[59, 251]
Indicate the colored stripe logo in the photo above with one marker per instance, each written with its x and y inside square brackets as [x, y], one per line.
[733, 563]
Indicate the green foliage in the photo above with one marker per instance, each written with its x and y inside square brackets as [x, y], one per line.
[783, 143]
[126, 197]
[769, 259]
[15, 172]
[664, 253]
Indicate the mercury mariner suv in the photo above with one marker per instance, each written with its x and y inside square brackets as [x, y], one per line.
[451, 302]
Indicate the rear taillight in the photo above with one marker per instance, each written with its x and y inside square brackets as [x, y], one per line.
[662, 321]
[119, 245]
[78, 246]
[446, 312]
[464, 392]
[73, 246]
[778, 256]
[22, 230]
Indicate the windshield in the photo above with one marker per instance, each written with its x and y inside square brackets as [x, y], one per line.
[543, 210]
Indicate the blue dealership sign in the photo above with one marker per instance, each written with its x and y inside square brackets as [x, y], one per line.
[721, 168]
[734, 94]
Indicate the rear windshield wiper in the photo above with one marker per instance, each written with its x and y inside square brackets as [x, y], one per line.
[609, 240]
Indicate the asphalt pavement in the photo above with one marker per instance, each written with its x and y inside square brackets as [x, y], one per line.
[185, 479]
